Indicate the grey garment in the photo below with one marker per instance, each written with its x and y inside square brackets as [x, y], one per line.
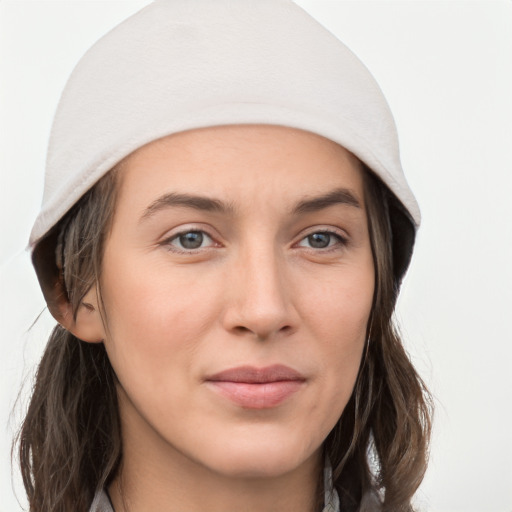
[101, 502]
[331, 498]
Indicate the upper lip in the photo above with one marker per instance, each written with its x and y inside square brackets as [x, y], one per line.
[253, 375]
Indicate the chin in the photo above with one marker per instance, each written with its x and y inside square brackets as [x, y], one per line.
[260, 459]
[257, 468]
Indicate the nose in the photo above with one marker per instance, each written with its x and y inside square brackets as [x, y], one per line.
[259, 300]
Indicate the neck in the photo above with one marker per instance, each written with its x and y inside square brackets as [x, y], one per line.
[178, 486]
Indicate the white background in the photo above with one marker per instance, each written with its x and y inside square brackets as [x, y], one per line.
[446, 69]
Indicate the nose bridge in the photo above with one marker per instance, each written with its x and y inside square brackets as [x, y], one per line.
[260, 299]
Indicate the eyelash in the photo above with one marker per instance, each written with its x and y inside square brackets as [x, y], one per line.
[341, 241]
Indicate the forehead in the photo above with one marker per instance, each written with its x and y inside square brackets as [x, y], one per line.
[240, 163]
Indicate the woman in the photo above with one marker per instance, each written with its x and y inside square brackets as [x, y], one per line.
[223, 235]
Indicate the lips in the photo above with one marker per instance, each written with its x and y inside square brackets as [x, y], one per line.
[252, 375]
[257, 388]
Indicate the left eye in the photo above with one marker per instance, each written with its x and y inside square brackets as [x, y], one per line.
[321, 240]
[190, 240]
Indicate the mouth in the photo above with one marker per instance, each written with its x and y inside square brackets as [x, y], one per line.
[257, 388]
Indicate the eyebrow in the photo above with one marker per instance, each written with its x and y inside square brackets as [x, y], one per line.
[208, 204]
[336, 196]
[194, 202]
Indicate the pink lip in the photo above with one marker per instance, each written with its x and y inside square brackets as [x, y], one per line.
[257, 388]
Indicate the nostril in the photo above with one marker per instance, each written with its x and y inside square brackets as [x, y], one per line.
[241, 329]
[261, 333]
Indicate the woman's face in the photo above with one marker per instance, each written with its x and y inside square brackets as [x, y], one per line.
[237, 285]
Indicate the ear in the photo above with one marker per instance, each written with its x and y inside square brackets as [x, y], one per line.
[88, 323]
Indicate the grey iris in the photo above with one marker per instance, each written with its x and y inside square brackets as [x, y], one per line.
[319, 240]
[192, 240]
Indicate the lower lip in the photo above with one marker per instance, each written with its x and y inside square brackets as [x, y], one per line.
[257, 395]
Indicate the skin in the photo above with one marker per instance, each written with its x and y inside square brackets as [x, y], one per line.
[256, 292]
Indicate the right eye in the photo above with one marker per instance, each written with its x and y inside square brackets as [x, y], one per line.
[189, 241]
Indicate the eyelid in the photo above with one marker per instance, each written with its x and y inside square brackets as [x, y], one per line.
[173, 234]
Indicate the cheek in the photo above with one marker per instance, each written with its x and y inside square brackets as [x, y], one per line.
[339, 306]
[156, 320]
[338, 314]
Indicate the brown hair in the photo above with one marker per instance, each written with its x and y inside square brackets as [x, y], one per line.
[70, 442]
[379, 447]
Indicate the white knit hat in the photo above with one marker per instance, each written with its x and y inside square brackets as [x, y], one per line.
[183, 64]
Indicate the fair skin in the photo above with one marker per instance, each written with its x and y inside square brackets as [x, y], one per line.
[268, 264]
